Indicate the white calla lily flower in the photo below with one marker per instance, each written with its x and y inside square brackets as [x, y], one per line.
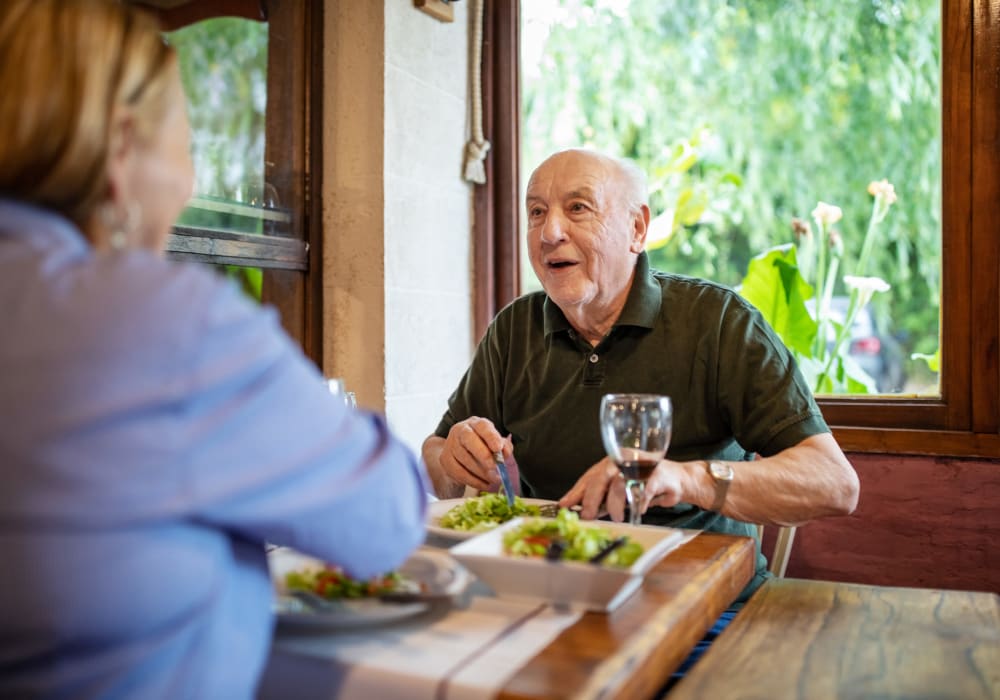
[827, 214]
[866, 287]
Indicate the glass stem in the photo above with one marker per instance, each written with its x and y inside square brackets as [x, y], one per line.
[633, 493]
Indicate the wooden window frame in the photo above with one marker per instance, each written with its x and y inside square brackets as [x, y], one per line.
[293, 130]
[965, 419]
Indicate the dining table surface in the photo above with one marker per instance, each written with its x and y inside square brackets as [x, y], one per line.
[629, 652]
[800, 638]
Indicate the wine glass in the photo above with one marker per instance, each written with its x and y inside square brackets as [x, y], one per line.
[337, 387]
[636, 431]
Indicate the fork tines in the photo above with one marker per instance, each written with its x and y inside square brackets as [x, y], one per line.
[548, 510]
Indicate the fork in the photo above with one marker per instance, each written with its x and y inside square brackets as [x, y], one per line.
[551, 510]
[311, 600]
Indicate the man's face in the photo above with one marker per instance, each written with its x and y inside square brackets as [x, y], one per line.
[582, 238]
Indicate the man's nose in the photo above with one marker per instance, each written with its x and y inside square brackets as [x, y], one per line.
[554, 228]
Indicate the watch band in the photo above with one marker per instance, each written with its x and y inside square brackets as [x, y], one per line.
[722, 476]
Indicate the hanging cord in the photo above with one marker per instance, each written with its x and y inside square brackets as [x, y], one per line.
[478, 146]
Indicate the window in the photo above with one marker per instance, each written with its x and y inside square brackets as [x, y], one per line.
[965, 418]
[249, 69]
[736, 154]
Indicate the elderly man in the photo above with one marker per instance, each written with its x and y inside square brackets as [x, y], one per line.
[608, 323]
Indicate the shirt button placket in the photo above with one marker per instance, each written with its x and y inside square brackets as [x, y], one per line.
[593, 374]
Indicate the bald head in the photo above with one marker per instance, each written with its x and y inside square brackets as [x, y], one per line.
[628, 177]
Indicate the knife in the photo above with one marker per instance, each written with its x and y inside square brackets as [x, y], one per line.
[504, 478]
[608, 549]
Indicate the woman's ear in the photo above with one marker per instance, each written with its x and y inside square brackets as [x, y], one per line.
[121, 144]
[640, 227]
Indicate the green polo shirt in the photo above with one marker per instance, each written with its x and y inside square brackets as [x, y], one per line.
[735, 388]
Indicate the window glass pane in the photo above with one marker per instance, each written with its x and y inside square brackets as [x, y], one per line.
[746, 115]
[224, 70]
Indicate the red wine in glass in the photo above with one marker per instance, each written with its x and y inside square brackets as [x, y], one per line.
[635, 429]
[638, 470]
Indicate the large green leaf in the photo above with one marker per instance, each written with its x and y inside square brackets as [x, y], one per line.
[690, 207]
[773, 284]
[845, 375]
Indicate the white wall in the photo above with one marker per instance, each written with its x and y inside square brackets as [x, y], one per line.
[397, 214]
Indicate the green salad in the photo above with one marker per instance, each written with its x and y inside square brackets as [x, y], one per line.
[332, 583]
[581, 542]
[484, 512]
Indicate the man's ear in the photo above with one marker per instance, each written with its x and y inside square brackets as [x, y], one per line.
[640, 227]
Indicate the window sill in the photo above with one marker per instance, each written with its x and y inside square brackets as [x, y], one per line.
[934, 443]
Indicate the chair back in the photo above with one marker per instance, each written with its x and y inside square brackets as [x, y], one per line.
[778, 561]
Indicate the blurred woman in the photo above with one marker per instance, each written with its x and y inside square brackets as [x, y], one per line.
[156, 427]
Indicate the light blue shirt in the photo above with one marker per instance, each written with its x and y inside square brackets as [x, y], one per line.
[155, 429]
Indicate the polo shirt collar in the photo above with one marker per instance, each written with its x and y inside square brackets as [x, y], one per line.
[642, 305]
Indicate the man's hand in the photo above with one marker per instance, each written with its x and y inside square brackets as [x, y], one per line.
[467, 455]
[601, 485]
[665, 487]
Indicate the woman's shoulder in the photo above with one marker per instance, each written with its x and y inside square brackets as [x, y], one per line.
[167, 308]
[144, 285]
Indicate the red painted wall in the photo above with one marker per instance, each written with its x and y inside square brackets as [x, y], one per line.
[920, 522]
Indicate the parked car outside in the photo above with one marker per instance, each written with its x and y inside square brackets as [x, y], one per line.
[876, 352]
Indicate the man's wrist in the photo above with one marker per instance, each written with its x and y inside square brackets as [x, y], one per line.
[698, 486]
[444, 486]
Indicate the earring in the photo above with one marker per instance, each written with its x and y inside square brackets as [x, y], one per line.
[121, 227]
[117, 240]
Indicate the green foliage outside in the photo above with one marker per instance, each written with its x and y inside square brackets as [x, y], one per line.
[793, 285]
[223, 64]
[744, 115]
[224, 71]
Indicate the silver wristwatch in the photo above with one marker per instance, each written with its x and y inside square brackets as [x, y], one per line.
[722, 474]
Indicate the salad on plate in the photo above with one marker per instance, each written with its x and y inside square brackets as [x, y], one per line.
[485, 512]
[332, 583]
[578, 542]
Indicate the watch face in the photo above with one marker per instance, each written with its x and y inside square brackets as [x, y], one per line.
[721, 471]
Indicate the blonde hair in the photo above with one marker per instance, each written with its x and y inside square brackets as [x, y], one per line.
[67, 69]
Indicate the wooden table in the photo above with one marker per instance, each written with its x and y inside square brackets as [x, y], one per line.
[629, 653]
[820, 639]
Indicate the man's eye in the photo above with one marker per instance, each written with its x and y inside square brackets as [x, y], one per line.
[577, 207]
[535, 213]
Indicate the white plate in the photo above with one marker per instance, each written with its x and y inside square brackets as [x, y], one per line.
[346, 615]
[437, 572]
[437, 509]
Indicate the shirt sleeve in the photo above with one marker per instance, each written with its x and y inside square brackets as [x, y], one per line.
[765, 398]
[269, 453]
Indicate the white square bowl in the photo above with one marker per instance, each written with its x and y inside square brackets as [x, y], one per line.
[579, 585]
